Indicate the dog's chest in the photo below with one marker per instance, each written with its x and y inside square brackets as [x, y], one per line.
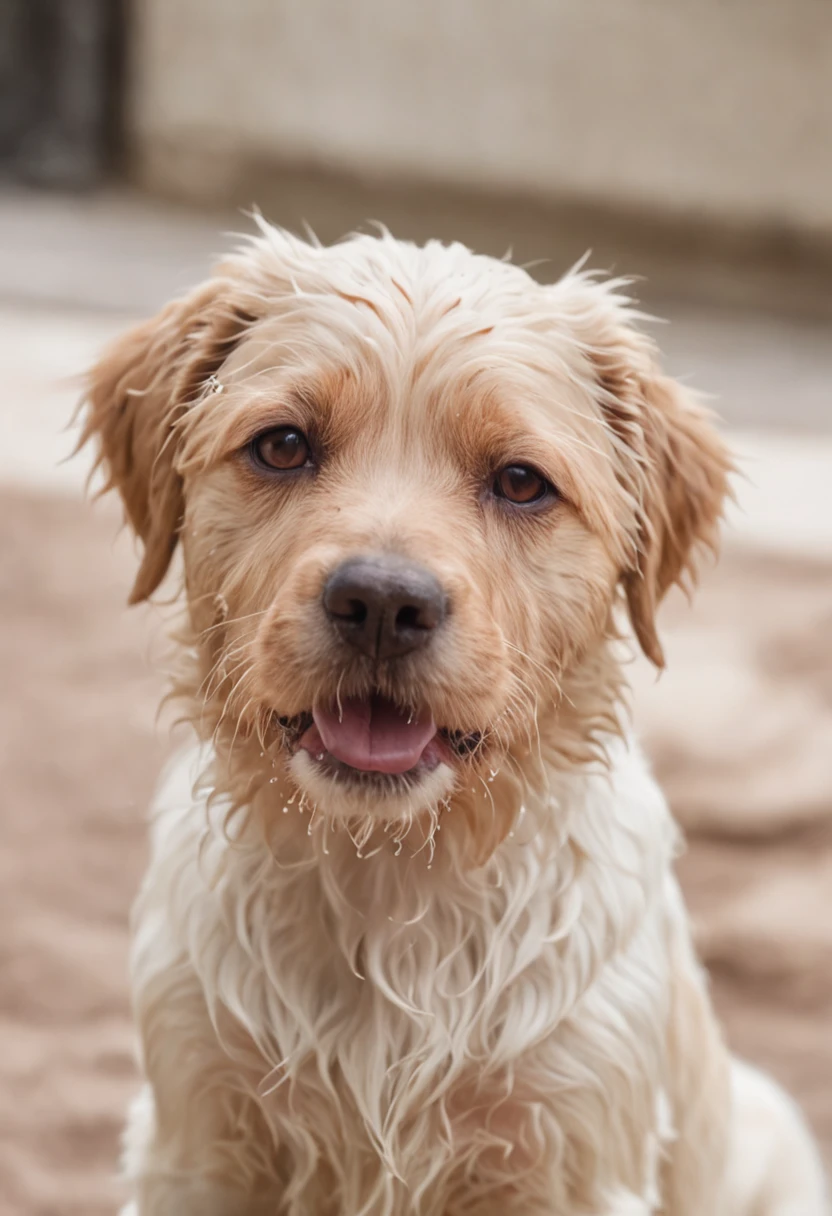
[417, 1026]
[392, 961]
[404, 1015]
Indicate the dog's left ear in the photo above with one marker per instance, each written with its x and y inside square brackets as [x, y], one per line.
[671, 459]
[136, 397]
[683, 484]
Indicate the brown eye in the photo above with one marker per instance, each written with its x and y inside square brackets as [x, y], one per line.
[284, 448]
[521, 484]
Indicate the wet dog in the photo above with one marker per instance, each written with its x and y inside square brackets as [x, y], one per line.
[410, 940]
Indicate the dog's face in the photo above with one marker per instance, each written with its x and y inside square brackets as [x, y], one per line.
[409, 485]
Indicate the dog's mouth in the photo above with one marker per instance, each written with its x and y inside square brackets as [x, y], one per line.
[374, 740]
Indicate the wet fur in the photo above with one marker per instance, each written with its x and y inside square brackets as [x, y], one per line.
[477, 994]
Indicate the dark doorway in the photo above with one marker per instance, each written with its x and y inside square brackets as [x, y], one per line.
[61, 90]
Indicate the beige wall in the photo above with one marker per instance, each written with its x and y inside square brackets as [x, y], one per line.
[720, 108]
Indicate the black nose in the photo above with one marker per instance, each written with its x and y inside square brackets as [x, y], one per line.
[383, 605]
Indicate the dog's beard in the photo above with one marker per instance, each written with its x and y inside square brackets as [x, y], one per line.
[372, 797]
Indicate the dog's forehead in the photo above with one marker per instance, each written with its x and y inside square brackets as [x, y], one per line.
[420, 313]
[413, 275]
[380, 287]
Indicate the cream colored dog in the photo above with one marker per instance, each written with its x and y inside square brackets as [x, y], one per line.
[410, 940]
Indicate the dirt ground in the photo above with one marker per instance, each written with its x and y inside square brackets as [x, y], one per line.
[739, 728]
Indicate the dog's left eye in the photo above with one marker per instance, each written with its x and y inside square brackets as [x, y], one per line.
[283, 448]
[522, 485]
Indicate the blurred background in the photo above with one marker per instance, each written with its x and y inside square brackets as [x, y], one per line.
[688, 144]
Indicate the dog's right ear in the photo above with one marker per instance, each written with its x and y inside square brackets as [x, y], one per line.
[136, 396]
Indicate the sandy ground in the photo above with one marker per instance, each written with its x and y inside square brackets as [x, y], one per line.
[79, 757]
[80, 754]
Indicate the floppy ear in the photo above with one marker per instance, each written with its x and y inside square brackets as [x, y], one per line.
[671, 459]
[137, 394]
[683, 487]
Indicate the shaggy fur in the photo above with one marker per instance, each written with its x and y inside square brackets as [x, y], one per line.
[471, 993]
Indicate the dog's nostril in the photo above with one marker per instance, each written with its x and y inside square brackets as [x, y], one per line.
[410, 617]
[356, 612]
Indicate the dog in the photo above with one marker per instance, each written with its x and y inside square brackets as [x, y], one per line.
[410, 939]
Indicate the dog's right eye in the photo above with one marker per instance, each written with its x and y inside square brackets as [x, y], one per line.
[283, 449]
[522, 485]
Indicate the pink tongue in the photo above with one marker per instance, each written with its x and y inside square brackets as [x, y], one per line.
[374, 735]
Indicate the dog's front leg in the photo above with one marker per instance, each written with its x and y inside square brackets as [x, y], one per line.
[197, 1141]
[208, 1178]
[167, 1197]
[698, 1088]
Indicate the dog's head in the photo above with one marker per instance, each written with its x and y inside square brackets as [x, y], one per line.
[410, 486]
